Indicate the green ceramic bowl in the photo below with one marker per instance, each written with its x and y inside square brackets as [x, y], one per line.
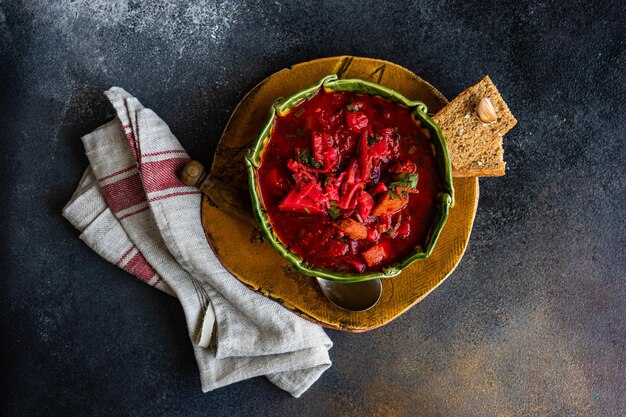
[444, 200]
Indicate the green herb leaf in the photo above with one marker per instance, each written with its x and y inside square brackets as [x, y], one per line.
[353, 107]
[299, 112]
[405, 180]
[411, 179]
[392, 193]
[391, 232]
[371, 140]
[306, 158]
[333, 210]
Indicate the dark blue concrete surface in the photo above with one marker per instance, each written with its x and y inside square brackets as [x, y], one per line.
[531, 323]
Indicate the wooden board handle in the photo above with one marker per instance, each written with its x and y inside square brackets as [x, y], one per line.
[232, 200]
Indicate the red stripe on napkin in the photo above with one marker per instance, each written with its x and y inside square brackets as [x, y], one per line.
[121, 171]
[161, 175]
[124, 255]
[124, 193]
[163, 152]
[139, 267]
[163, 197]
[132, 213]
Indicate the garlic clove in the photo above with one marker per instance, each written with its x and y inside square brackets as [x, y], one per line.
[485, 111]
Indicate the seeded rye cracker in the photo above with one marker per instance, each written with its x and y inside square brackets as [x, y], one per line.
[473, 125]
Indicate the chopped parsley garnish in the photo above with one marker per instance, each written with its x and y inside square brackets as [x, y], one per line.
[333, 210]
[353, 107]
[391, 232]
[371, 140]
[393, 194]
[405, 180]
[306, 158]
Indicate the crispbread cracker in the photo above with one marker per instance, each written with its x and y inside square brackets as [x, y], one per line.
[475, 147]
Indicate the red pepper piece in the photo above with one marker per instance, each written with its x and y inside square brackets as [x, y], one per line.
[317, 142]
[373, 235]
[379, 146]
[379, 189]
[348, 198]
[304, 198]
[379, 149]
[332, 186]
[301, 172]
[351, 172]
[365, 203]
[356, 120]
[331, 159]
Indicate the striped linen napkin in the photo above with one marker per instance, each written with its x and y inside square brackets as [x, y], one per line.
[131, 209]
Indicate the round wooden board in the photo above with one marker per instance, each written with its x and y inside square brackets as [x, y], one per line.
[241, 247]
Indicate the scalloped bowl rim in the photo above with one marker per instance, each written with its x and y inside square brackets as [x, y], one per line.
[445, 199]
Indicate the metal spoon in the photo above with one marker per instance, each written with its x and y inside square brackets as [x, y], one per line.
[353, 296]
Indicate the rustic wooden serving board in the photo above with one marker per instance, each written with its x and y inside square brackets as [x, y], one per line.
[241, 247]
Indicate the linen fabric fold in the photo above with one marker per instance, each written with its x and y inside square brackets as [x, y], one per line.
[132, 209]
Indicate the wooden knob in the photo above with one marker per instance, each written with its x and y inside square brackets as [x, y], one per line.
[193, 174]
[232, 200]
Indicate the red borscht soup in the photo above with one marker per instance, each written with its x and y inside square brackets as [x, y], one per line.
[349, 181]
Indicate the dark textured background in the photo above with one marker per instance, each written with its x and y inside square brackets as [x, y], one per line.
[532, 322]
